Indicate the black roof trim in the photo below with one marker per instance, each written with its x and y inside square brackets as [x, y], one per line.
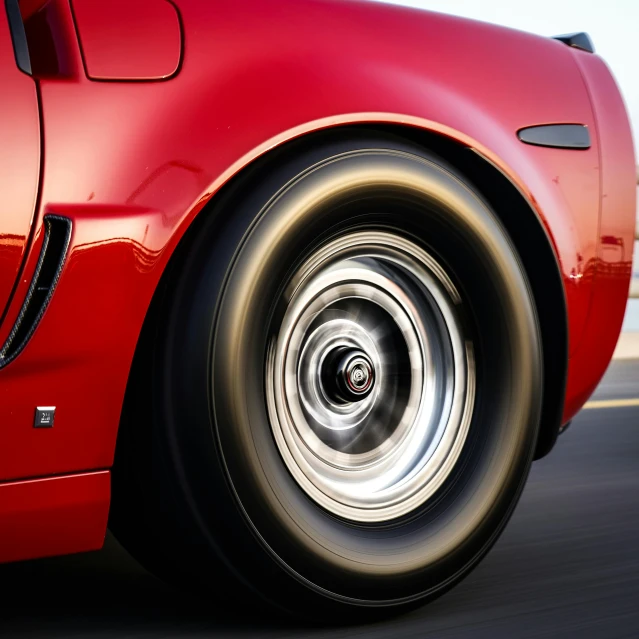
[18, 36]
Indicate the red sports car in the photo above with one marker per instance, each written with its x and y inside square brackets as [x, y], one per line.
[292, 293]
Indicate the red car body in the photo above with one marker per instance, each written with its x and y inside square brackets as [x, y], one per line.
[136, 114]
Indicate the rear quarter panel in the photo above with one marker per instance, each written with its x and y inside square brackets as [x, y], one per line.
[133, 163]
[616, 234]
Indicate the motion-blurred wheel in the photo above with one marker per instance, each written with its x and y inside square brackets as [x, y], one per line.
[343, 391]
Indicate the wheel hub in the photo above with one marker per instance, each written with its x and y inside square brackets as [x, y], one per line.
[348, 375]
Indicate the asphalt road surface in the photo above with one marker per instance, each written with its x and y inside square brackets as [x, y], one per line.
[567, 565]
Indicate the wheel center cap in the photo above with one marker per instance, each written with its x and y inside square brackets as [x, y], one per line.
[347, 375]
[359, 375]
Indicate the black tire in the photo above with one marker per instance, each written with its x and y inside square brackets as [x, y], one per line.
[201, 493]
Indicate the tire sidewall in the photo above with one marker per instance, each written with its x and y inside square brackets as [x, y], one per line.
[276, 537]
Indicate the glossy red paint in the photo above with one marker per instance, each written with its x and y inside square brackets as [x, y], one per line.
[29, 7]
[56, 516]
[19, 162]
[133, 163]
[613, 267]
[124, 40]
[51, 38]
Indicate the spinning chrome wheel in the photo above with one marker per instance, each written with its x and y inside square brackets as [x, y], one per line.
[345, 386]
[370, 382]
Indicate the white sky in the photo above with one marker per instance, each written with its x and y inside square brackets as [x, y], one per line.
[613, 26]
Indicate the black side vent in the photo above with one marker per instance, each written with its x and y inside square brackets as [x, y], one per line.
[47, 272]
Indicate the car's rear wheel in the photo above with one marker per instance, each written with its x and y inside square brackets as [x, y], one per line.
[344, 388]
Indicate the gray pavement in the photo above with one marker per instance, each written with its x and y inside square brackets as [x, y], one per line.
[567, 565]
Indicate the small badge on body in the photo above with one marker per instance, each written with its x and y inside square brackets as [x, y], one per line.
[44, 416]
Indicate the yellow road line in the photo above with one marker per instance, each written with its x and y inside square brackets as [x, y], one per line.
[612, 403]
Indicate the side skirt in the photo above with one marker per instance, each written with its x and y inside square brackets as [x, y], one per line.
[54, 515]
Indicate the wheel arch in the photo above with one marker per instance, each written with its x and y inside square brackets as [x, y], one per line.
[524, 225]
